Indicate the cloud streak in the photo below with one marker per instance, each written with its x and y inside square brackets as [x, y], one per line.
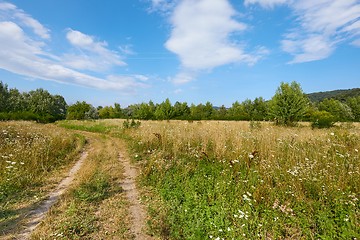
[92, 55]
[22, 52]
[322, 26]
[10, 11]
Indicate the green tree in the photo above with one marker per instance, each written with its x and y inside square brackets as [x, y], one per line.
[181, 110]
[289, 104]
[221, 113]
[164, 110]
[144, 111]
[4, 97]
[237, 112]
[354, 104]
[79, 111]
[260, 109]
[17, 101]
[340, 110]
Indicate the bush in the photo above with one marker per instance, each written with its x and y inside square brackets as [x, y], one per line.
[132, 124]
[322, 119]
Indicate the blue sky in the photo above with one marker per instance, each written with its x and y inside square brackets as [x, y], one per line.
[222, 51]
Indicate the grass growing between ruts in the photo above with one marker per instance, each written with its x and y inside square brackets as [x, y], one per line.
[95, 207]
[231, 180]
[33, 158]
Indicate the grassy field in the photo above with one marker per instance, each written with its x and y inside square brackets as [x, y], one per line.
[95, 207]
[248, 180]
[200, 180]
[33, 158]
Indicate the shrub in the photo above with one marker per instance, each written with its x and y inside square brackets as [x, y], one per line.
[322, 119]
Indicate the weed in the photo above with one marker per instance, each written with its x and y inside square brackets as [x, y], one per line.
[222, 180]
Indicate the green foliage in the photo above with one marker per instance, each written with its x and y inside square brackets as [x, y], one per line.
[336, 94]
[354, 104]
[78, 222]
[29, 153]
[4, 97]
[81, 110]
[109, 112]
[164, 111]
[37, 105]
[322, 119]
[131, 124]
[289, 104]
[340, 110]
[299, 185]
[94, 190]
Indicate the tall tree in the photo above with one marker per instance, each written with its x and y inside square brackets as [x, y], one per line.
[80, 110]
[354, 104]
[340, 110]
[289, 104]
[4, 97]
[164, 110]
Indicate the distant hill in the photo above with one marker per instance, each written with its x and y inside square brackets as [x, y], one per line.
[336, 94]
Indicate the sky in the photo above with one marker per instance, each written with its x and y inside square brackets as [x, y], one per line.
[194, 51]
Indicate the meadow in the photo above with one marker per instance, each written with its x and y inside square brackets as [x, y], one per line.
[199, 179]
[250, 180]
[33, 158]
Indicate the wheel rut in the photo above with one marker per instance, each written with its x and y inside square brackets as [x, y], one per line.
[35, 216]
[136, 209]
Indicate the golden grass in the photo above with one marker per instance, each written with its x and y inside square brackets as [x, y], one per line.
[78, 217]
[33, 159]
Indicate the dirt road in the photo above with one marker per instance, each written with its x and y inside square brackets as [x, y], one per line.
[119, 216]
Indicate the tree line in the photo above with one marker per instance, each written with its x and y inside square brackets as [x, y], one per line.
[289, 105]
[38, 105]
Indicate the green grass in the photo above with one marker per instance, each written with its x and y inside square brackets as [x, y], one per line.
[88, 126]
[267, 183]
[32, 158]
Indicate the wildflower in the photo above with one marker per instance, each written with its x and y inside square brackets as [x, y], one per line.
[251, 156]
[246, 198]
[332, 134]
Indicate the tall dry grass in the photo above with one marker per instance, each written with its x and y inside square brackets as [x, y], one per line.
[32, 158]
[251, 180]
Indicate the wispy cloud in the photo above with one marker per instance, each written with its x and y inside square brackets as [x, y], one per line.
[92, 55]
[163, 6]
[23, 53]
[322, 26]
[10, 11]
[266, 3]
[201, 37]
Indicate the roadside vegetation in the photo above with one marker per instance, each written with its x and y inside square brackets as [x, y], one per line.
[241, 180]
[95, 207]
[33, 158]
[290, 171]
[245, 180]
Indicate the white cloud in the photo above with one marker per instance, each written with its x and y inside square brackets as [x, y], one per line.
[93, 55]
[322, 25]
[266, 3]
[184, 76]
[162, 6]
[8, 10]
[23, 53]
[201, 37]
[308, 49]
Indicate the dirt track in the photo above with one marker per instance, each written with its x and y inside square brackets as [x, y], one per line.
[127, 183]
